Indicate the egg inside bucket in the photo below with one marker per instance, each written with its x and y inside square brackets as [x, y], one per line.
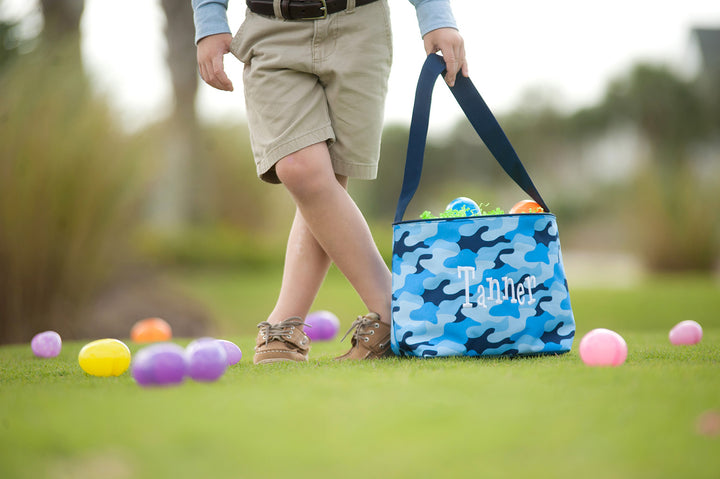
[471, 208]
[526, 206]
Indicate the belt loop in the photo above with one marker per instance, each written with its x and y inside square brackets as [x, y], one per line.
[350, 6]
[276, 9]
[285, 9]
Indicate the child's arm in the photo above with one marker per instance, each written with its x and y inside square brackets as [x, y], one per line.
[212, 35]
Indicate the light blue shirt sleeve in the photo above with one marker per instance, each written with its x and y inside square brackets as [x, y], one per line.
[433, 14]
[210, 18]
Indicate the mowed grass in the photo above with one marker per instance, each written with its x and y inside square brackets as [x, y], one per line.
[542, 417]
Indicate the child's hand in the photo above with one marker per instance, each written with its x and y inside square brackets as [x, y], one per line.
[451, 44]
[210, 51]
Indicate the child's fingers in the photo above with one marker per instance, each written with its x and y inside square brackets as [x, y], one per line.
[221, 80]
[449, 42]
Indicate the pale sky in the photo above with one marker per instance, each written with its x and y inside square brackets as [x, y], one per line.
[570, 48]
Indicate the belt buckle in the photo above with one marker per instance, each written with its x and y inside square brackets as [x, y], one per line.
[324, 10]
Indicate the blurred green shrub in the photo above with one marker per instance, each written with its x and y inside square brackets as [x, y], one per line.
[220, 246]
[233, 194]
[70, 191]
[674, 220]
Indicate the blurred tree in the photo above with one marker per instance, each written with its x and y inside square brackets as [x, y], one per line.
[62, 18]
[71, 191]
[8, 42]
[181, 186]
[674, 232]
[70, 185]
[61, 31]
[708, 81]
[181, 57]
[666, 108]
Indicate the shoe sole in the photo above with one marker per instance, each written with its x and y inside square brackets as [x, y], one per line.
[278, 360]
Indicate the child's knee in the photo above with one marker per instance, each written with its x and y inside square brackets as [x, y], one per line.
[304, 171]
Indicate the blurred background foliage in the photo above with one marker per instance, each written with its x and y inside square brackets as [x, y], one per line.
[92, 218]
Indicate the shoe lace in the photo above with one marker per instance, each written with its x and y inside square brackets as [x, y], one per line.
[280, 331]
[362, 329]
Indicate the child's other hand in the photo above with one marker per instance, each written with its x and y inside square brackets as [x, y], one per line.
[210, 52]
[451, 44]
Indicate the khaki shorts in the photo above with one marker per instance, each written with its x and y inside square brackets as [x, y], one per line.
[321, 80]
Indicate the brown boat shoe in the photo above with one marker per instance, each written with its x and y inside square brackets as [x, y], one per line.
[370, 339]
[285, 341]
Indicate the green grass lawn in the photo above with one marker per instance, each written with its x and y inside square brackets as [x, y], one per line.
[543, 417]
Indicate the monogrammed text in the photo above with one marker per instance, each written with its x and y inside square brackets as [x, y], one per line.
[493, 290]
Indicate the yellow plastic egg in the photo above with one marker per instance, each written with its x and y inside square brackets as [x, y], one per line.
[104, 357]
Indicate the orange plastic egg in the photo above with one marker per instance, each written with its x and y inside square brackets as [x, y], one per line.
[526, 206]
[151, 330]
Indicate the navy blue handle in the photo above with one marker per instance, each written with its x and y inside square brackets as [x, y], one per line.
[482, 121]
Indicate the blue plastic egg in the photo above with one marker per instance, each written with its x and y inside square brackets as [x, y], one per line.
[472, 208]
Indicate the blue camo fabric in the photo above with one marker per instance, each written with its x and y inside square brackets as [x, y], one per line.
[480, 286]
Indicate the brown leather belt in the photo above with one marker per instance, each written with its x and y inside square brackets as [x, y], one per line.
[302, 10]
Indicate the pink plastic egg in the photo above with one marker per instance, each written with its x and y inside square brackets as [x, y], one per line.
[47, 344]
[686, 332]
[603, 347]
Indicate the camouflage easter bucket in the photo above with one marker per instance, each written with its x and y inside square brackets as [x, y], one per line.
[481, 285]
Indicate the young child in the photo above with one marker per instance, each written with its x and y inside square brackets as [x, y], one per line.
[315, 79]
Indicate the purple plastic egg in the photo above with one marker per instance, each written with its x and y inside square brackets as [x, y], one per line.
[324, 325]
[233, 352]
[159, 365]
[47, 344]
[206, 359]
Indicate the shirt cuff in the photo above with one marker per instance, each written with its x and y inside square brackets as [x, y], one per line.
[435, 14]
[210, 19]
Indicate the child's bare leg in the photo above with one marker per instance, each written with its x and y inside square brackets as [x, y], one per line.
[337, 224]
[306, 265]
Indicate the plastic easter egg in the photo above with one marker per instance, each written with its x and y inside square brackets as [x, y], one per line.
[233, 352]
[471, 208]
[526, 206]
[47, 344]
[161, 364]
[686, 332]
[104, 357]
[151, 330]
[324, 325]
[708, 424]
[206, 359]
[603, 347]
